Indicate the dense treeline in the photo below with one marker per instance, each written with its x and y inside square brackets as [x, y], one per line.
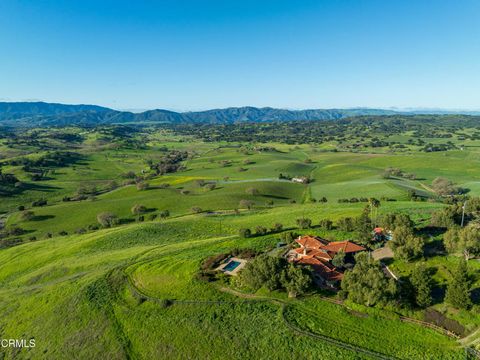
[368, 128]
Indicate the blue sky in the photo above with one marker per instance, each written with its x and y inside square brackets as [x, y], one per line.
[199, 54]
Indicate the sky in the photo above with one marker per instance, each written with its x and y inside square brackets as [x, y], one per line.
[202, 54]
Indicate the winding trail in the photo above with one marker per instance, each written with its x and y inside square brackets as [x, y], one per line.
[256, 298]
[283, 308]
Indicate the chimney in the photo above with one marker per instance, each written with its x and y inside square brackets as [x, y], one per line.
[304, 251]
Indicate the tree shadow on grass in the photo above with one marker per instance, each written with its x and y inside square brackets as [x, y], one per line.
[126, 221]
[276, 197]
[42, 217]
[38, 187]
[13, 191]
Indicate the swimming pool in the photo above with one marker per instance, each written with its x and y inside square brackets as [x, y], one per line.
[232, 265]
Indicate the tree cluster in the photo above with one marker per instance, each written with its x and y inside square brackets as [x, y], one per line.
[275, 274]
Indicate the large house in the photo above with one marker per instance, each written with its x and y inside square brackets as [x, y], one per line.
[318, 253]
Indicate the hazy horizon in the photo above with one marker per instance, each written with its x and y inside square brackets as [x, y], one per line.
[139, 110]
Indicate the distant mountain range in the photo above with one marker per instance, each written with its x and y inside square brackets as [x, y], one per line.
[51, 114]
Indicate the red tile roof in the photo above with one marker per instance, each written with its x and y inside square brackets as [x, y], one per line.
[323, 268]
[378, 230]
[314, 252]
[311, 242]
[323, 255]
[346, 246]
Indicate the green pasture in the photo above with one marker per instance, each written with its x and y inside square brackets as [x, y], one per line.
[66, 301]
[77, 295]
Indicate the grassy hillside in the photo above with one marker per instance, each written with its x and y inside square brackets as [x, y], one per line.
[133, 290]
[75, 295]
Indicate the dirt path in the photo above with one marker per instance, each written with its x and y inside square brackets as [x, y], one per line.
[284, 304]
[243, 295]
[471, 339]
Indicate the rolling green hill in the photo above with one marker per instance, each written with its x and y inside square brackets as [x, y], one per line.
[79, 296]
[135, 290]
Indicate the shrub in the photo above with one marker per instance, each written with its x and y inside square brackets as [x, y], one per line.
[277, 227]
[200, 182]
[87, 189]
[164, 214]
[112, 185]
[152, 217]
[252, 191]
[196, 209]
[138, 209]
[246, 204]
[213, 261]
[27, 215]
[39, 202]
[288, 237]
[326, 224]
[129, 182]
[14, 231]
[142, 185]
[211, 186]
[128, 175]
[107, 219]
[444, 187]
[261, 230]
[244, 233]
[304, 223]
[346, 224]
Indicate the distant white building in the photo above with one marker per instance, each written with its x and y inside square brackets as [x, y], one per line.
[301, 180]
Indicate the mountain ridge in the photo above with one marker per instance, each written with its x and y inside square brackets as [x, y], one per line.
[56, 114]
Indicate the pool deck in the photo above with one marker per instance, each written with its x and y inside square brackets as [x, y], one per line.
[235, 271]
